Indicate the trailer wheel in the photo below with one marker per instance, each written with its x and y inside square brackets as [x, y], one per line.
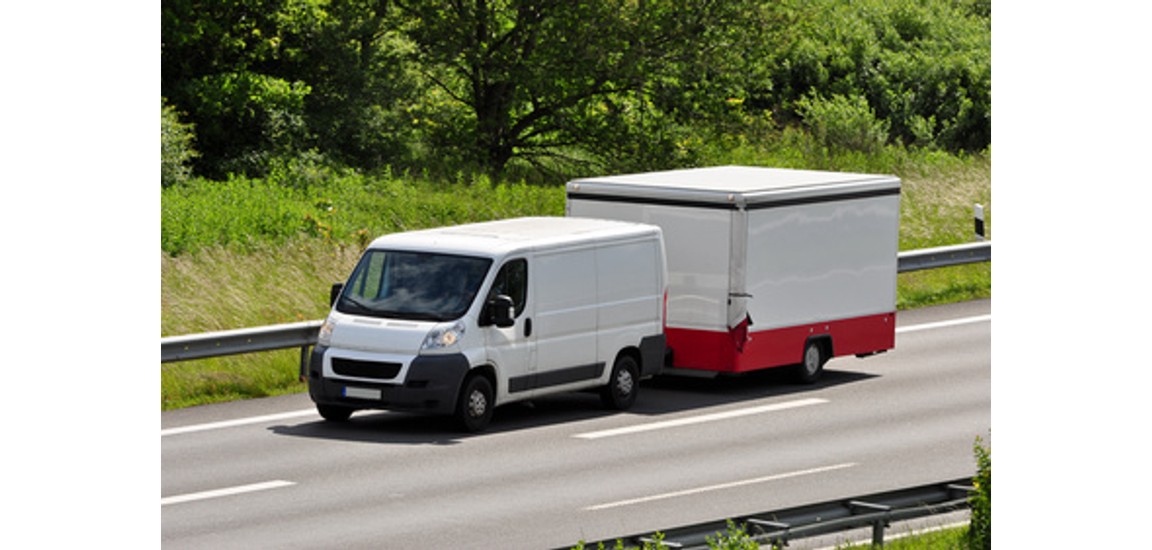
[808, 371]
[335, 413]
[623, 384]
[474, 408]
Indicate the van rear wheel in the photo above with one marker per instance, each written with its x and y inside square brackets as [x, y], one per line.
[474, 407]
[623, 384]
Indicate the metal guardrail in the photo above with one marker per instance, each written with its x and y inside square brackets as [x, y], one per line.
[232, 342]
[944, 256]
[303, 335]
[778, 527]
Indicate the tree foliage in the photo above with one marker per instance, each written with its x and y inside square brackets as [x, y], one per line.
[577, 86]
[925, 67]
[536, 79]
[229, 65]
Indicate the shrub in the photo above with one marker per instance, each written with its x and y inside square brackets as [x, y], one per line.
[176, 151]
[844, 123]
[736, 538]
[980, 526]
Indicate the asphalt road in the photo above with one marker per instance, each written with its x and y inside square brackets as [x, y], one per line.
[270, 473]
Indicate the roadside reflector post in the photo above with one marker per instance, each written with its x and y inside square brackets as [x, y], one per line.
[978, 218]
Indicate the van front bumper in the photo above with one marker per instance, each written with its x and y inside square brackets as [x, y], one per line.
[431, 386]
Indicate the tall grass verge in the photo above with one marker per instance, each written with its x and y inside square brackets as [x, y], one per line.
[335, 207]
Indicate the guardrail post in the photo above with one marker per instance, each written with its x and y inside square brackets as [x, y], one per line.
[777, 531]
[879, 523]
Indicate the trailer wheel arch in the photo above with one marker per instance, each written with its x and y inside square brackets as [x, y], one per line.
[816, 353]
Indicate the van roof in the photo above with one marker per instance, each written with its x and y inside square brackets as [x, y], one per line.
[501, 237]
[734, 185]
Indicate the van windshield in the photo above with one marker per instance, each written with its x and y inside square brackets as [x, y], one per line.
[413, 285]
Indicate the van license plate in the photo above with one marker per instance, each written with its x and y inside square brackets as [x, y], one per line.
[361, 393]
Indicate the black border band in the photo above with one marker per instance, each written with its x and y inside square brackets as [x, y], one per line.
[732, 206]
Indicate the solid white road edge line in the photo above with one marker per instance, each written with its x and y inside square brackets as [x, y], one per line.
[720, 487]
[307, 412]
[701, 418]
[237, 422]
[945, 324]
[226, 492]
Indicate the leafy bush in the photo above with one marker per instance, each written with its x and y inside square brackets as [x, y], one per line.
[176, 147]
[735, 538]
[980, 526]
[248, 118]
[846, 123]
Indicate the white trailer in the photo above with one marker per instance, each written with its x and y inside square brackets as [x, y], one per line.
[767, 267]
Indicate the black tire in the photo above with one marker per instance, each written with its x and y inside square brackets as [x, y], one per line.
[812, 364]
[623, 384]
[335, 413]
[475, 405]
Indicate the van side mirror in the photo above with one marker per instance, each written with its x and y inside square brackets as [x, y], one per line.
[335, 293]
[499, 312]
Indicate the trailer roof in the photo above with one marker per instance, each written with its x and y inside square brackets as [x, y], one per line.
[735, 186]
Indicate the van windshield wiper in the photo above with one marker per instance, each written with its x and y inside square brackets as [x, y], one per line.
[356, 304]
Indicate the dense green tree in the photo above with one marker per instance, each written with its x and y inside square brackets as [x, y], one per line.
[577, 86]
[533, 79]
[363, 88]
[264, 79]
[228, 65]
[924, 67]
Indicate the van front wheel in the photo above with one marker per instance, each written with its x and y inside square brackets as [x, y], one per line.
[334, 413]
[623, 385]
[474, 407]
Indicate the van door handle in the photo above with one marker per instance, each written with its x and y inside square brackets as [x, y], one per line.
[527, 327]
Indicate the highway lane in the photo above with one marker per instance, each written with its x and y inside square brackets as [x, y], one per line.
[270, 474]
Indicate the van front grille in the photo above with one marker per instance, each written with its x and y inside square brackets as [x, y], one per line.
[365, 369]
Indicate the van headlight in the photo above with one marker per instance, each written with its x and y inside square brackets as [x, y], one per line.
[443, 337]
[325, 336]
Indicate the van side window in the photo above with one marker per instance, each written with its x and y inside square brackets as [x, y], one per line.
[512, 281]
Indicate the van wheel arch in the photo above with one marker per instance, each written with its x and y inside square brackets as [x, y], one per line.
[476, 400]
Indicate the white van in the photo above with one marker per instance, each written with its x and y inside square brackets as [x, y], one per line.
[459, 320]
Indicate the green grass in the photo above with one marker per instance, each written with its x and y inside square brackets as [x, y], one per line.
[247, 253]
[954, 538]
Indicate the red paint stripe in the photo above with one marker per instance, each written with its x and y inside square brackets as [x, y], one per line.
[719, 351]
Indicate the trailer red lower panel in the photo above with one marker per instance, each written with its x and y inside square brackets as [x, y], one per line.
[740, 350]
